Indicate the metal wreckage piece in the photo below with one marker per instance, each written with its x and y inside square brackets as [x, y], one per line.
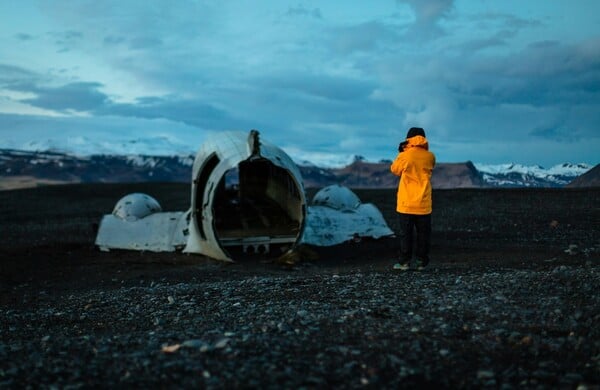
[247, 198]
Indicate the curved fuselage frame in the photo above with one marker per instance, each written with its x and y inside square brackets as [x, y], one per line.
[247, 197]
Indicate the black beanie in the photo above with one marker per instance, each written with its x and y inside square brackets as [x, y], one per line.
[414, 131]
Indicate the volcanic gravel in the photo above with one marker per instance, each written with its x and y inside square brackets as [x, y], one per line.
[503, 314]
[448, 327]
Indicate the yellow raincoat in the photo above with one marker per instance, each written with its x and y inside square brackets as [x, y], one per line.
[414, 166]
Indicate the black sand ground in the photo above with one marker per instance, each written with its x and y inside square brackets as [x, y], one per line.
[502, 305]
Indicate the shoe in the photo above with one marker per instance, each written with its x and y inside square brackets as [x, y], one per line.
[421, 264]
[401, 267]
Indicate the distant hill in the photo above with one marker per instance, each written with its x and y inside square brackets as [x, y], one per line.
[359, 174]
[457, 175]
[31, 168]
[589, 179]
[27, 168]
[362, 174]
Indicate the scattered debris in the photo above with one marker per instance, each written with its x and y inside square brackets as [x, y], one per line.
[170, 348]
[572, 250]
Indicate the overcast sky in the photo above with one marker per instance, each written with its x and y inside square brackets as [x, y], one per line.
[490, 81]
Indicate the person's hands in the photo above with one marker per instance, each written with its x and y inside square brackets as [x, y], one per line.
[402, 146]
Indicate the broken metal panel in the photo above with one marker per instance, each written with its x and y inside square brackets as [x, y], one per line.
[215, 157]
[336, 197]
[326, 226]
[278, 157]
[159, 232]
[337, 215]
[137, 223]
[136, 206]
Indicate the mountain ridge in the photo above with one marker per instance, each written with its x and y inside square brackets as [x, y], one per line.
[53, 167]
[590, 178]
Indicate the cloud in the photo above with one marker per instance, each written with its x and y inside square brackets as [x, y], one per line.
[302, 11]
[317, 100]
[544, 45]
[24, 37]
[428, 15]
[546, 91]
[111, 40]
[79, 96]
[188, 111]
[557, 133]
[320, 85]
[91, 135]
[87, 97]
[542, 75]
[362, 37]
[145, 42]
[429, 12]
[497, 20]
[66, 40]
[546, 74]
[500, 38]
[10, 74]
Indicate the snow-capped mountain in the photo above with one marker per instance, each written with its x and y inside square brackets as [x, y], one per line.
[31, 167]
[143, 151]
[156, 146]
[517, 175]
[86, 146]
[25, 167]
[59, 167]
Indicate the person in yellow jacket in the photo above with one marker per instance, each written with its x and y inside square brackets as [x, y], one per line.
[414, 164]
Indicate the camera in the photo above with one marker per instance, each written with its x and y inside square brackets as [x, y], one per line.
[402, 146]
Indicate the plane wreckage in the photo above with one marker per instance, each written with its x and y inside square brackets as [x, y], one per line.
[247, 198]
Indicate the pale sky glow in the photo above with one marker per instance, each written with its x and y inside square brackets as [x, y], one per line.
[490, 81]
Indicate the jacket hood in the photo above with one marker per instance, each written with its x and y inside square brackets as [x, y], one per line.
[417, 141]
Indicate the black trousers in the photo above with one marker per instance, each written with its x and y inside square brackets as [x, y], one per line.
[410, 223]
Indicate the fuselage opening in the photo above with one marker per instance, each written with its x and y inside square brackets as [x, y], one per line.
[258, 210]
